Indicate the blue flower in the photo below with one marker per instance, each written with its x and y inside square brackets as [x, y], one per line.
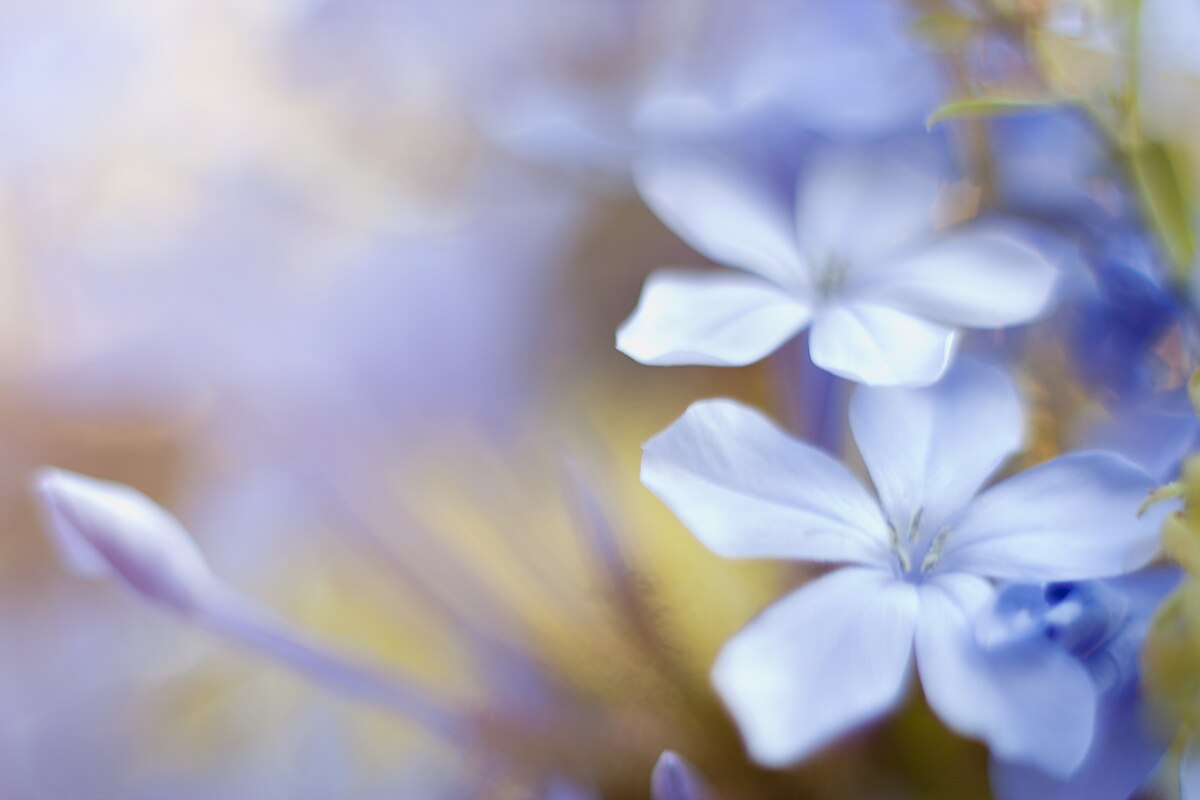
[837, 652]
[1119, 314]
[856, 260]
[1102, 624]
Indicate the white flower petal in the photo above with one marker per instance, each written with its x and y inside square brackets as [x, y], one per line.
[880, 346]
[1072, 518]
[748, 490]
[978, 278]
[830, 656]
[723, 215]
[1034, 705]
[929, 450]
[860, 209]
[722, 318]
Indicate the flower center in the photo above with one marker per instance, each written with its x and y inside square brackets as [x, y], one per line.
[913, 543]
[831, 274]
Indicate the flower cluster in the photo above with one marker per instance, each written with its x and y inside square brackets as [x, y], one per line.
[935, 394]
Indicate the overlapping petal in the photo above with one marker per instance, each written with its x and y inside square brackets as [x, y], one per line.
[720, 318]
[1032, 704]
[981, 278]
[929, 450]
[830, 656]
[880, 346]
[862, 208]
[1072, 518]
[1122, 755]
[723, 215]
[748, 490]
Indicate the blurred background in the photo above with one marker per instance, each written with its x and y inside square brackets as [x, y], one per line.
[336, 282]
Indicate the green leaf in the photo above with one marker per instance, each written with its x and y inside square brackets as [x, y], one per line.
[1165, 202]
[972, 107]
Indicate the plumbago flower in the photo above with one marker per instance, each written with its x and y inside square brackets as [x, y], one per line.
[857, 260]
[837, 652]
[1102, 624]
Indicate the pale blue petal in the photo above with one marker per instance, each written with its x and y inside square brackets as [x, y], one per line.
[827, 658]
[748, 490]
[1072, 518]
[720, 318]
[880, 346]
[724, 216]
[860, 209]
[1033, 704]
[1124, 752]
[929, 450]
[979, 278]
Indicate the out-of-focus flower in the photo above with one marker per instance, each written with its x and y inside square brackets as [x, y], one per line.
[1053, 167]
[1103, 625]
[1118, 314]
[857, 259]
[1157, 433]
[920, 557]
[848, 71]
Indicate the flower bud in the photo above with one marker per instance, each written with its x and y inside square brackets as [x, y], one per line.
[104, 528]
[675, 779]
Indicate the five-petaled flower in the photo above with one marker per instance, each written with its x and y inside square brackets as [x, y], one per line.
[837, 652]
[857, 260]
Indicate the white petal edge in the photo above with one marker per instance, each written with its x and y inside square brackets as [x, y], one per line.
[829, 657]
[1071, 518]
[720, 318]
[880, 346]
[747, 489]
[1032, 707]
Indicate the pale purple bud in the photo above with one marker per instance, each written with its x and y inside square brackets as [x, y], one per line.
[104, 528]
[675, 779]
